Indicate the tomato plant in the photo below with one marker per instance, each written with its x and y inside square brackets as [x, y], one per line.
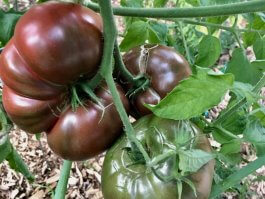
[122, 177]
[56, 56]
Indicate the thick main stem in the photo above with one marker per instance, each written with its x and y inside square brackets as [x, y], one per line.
[110, 34]
[63, 181]
[206, 11]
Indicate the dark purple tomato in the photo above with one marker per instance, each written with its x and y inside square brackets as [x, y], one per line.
[60, 41]
[31, 115]
[88, 131]
[162, 65]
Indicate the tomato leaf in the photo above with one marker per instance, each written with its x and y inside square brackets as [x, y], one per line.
[209, 51]
[259, 48]
[136, 35]
[242, 69]
[230, 147]
[192, 160]
[194, 95]
[8, 21]
[256, 22]
[160, 3]
[160, 30]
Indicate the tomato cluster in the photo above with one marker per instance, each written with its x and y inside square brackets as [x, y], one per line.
[58, 45]
[53, 47]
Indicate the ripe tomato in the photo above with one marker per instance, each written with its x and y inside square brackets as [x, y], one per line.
[56, 45]
[162, 65]
[122, 178]
[88, 131]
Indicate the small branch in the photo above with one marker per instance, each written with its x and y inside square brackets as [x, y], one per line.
[162, 157]
[94, 82]
[227, 133]
[110, 34]
[184, 41]
[120, 65]
[230, 29]
[205, 11]
[239, 104]
[63, 181]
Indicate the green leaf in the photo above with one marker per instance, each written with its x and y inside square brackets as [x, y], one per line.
[16, 162]
[254, 132]
[8, 21]
[232, 146]
[259, 65]
[220, 137]
[193, 95]
[160, 3]
[5, 147]
[259, 48]
[160, 30]
[215, 20]
[193, 2]
[242, 69]
[132, 3]
[136, 35]
[209, 51]
[236, 177]
[192, 160]
[255, 22]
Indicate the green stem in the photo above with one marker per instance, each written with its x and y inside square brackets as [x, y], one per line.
[205, 11]
[239, 104]
[236, 177]
[230, 29]
[63, 181]
[184, 41]
[227, 133]
[120, 65]
[162, 157]
[238, 40]
[106, 71]
[94, 82]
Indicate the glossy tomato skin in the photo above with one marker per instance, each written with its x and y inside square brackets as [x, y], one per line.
[16, 74]
[31, 115]
[162, 65]
[88, 131]
[60, 41]
[137, 182]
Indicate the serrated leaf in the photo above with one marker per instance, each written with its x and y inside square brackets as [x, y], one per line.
[259, 48]
[192, 160]
[254, 132]
[16, 162]
[242, 69]
[193, 95]
[255, 22]
[8, 21]
[136, 35]
[160, 3]
[209, 51]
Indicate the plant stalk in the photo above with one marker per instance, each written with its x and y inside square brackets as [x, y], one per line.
[110, 34]
[205, 11]
[63, 181]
